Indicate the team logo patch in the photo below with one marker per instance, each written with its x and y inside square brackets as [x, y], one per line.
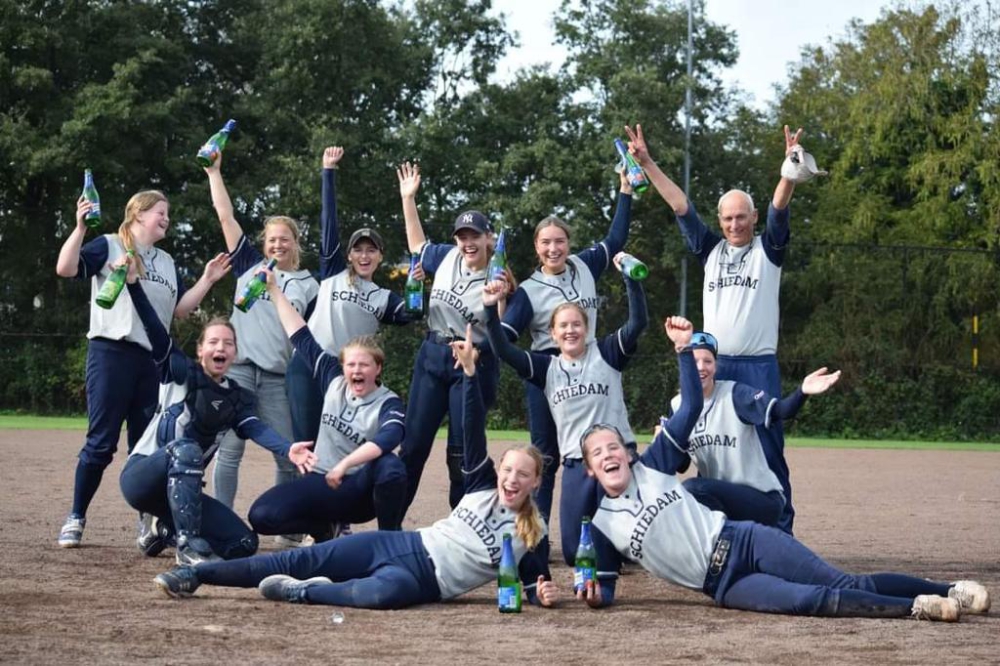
[215, 404]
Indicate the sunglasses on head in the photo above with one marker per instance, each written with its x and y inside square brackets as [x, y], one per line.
[703, 340]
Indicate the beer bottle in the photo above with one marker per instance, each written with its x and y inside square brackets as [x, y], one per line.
[254, 289]
[113, 285]
[498, 262]
[210, 151]
[413, 292]
[633, 268]
[633, 172]
[585, 566]
[93, 218]
[508, 580]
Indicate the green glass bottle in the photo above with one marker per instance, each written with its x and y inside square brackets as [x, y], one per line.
[254, 289]
[210, 151]
[413, 292]
[633, 172]
[497, 269]
[93, 218]
[634, 268]
[113, 285]
[585, 565]
[508, 581]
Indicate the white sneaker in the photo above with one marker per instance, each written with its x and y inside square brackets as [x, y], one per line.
[293, 540]
[971, 596]
[72, 532]
[934, 607]
[281, 587]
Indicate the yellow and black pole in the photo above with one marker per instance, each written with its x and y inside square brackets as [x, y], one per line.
[975, 342]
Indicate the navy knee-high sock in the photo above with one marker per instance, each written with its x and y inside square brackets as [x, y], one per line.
[88, 480]
[901, 585]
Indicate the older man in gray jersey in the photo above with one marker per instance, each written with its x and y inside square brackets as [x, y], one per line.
[742, 281]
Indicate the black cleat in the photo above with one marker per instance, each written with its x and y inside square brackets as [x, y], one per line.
[178, 583]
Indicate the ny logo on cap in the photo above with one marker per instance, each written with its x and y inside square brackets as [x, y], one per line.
[467, 218]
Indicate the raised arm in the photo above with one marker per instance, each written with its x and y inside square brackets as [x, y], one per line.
[618, 231]
[668, 189]
[532, 367]
[68, 263]
[476, 458]
[409, 183]
[783, 192]
[626, 339]
[815, 383]
[158, 337]
[231, 229]
[331, 256]
[215, 270]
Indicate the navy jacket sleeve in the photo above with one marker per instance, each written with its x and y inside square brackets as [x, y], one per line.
[93, 256]
[777, 233]
[674, 433]
[325, 368]
[248, 426]
[476, 464]
[331, 256]
[789, 406]
[517, 315]
[531, 566]
[391, 425]
[163, 346]
[533, 367]
[598, 257]
[245, 256]
[699, 239]
[620, 345]
[609, 563]
[395, 311]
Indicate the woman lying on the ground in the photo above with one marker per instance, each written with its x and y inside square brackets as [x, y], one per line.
[647, 516]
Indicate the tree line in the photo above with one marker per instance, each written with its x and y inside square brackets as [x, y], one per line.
[891, 259]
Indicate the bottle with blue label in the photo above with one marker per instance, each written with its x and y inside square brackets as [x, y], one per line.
[585, 565]
[413, 292]
[215, 145]
[93, 217]
[633, 172]
[508, 580]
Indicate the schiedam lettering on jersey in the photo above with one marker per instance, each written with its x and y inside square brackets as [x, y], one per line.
[646, 516]
[451, 298]
[486, 534]
[356, 298]
[699, 439]
[579, 390]
[732, 269]
[149, 263]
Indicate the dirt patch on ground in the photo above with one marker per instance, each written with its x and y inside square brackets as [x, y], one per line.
[933, 514]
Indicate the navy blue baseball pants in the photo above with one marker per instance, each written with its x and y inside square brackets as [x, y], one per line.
[436, 391]
[122, 387]
[769, 571]
[545, 438]
[762, 372]
[308, 505]
[578, 498]
[144, 485]
[379, 570]
[737, 501]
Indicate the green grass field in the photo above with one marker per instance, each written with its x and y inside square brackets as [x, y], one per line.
[28, 422]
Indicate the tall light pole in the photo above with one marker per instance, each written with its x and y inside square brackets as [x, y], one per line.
[687, 145]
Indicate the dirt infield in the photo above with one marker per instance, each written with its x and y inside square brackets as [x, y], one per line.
[933, 514]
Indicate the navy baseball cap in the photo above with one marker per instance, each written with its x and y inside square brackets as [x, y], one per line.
[366, 233]
[472, 219]
[703, 340]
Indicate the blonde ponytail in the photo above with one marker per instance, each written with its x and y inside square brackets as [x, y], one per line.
[528, 523]
[139, 203]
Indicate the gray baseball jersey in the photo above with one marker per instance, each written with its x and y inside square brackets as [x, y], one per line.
[724, 443]
[582, 392]
[466, 545]
[344, 311]
[260, 336]
[658, 524]
[348, 421]
[456, 292]
[161, 284]
[740, 299]
[546, 292]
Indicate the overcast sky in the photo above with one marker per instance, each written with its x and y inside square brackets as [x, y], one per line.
[770, 33]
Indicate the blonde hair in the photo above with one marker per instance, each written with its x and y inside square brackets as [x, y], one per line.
[369, 344]
[528, 523]
[139, 203]
[291, 225]
[552, 221]
[568, 305]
